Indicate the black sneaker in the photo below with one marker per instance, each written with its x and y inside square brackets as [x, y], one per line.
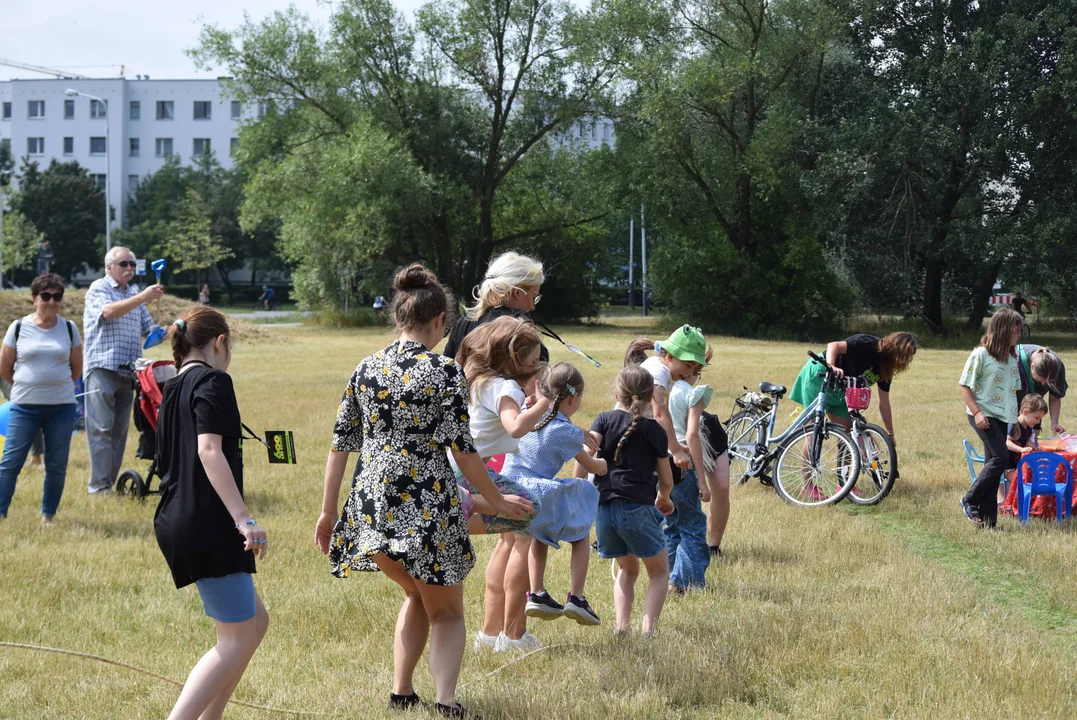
[404, 702]
[579, 610]
[542, 606]
[455, 710]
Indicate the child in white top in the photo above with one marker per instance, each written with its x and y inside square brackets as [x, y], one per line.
[499, 358]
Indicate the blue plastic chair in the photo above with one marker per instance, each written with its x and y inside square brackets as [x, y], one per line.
[1044, 466]
[971, 456]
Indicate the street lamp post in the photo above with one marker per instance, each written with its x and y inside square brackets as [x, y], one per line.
[108, 165]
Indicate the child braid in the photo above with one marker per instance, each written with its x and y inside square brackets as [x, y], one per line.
[634, 389]
[557, 383]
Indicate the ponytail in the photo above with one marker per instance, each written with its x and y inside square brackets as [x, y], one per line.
[634, 390]
[195, 329]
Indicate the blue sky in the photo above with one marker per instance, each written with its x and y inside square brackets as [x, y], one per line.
[146, 37]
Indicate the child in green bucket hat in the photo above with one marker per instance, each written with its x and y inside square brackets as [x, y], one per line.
[678, 357]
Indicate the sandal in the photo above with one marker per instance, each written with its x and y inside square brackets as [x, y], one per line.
[456, 710]
[404, 702]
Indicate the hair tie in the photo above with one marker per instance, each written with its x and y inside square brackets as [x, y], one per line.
[658, 347]
[570, 388]
[180, 324]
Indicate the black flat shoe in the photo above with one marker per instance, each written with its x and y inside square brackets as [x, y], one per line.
[971, 514]
[456, 710]
[404, 702]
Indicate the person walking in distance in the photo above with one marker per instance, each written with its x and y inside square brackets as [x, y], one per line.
[115, 321]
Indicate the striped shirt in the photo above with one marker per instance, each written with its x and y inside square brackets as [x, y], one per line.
[110, 343]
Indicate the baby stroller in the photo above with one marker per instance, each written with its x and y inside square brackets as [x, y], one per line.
[150, 377]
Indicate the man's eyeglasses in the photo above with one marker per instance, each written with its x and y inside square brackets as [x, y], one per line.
[50, 296]
[126, 263]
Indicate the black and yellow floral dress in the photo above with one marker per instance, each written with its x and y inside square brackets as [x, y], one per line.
[403, 406]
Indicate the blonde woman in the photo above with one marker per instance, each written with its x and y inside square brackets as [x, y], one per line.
[510, 287]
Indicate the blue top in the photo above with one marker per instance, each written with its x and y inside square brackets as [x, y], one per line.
[544, 452]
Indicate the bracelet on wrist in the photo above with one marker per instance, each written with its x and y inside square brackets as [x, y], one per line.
[248, 522]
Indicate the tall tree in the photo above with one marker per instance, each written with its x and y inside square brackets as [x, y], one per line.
[490, 84]
[66, 206]
[190, 241]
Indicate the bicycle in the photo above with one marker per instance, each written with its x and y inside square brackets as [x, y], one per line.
[816, 461]
[265, 305]
[878, 456]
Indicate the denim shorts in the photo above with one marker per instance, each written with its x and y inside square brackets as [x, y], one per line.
[625, 528]
[228, 599]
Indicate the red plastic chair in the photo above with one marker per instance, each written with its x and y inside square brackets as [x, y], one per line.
[1043, 467]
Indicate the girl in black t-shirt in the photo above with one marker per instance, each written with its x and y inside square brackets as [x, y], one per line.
[633, 496]
[202, 524]
[877, 360]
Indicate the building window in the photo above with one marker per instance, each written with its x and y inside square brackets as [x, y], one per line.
[606, 130]
[136, 110]
[233, 144]
[98, 109]
[202, 110]
[36, 108]
[69, 109]
[163, 147]
[69, 146]
[165, 110]
[5, 144]
[201, 146]
[132, 145]
[236, 109]
[35, 146]
[98, 181]
[7, 111]
[132, 183]
[97, 146]
[265, 108]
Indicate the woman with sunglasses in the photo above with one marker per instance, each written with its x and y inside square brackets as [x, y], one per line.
[510, 287]
[42, 357]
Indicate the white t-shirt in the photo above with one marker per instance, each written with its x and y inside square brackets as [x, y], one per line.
[43, 362]
[491, 437]
[662, 377]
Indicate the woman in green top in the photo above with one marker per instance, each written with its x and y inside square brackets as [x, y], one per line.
[989, 385]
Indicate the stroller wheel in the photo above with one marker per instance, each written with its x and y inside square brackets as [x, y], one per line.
[131, 483]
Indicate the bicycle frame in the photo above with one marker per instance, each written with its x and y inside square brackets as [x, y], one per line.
[764, 426]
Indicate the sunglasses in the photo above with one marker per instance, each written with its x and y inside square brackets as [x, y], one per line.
[126, 263]
[50, 296]
[536, 300]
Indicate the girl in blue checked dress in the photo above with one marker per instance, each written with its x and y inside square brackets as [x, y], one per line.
[568, 505]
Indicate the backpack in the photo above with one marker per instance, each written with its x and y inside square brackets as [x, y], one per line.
[70, 331]
[1025, 367]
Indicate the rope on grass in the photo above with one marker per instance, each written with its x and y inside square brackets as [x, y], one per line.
[164, 678]
[519, 659]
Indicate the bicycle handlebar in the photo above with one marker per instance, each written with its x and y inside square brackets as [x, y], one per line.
[820, 360]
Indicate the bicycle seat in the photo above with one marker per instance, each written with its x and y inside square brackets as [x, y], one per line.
[777, 390]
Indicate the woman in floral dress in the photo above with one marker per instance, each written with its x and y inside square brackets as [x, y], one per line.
[402, 407]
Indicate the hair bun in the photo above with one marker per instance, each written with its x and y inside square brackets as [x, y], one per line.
[414, 277]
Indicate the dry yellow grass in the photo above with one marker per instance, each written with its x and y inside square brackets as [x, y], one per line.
[903, 610]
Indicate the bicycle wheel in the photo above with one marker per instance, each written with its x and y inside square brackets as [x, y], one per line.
[826, 481]
[743, 436]
[878, 466]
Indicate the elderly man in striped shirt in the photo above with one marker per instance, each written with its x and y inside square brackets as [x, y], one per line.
[114, 323]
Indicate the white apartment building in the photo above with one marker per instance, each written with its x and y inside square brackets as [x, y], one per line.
[148, 121]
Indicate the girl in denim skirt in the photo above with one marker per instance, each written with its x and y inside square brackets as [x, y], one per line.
[633, 496]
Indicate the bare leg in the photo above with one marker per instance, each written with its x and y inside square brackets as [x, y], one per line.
[475, 525]
[444, 606]
[581, 556]
[412, 627]
[516, 584]
[236, 643]
[718, 515]
[494, 601]
[624, 592]
[657, 582]
[537, 566]
[216, 708]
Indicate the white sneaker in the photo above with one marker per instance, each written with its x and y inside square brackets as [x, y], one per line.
[484, 642]
[527, 643]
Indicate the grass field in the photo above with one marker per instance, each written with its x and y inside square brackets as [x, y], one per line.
[902, 610]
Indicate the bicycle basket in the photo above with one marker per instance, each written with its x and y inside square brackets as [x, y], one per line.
[857, 394]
